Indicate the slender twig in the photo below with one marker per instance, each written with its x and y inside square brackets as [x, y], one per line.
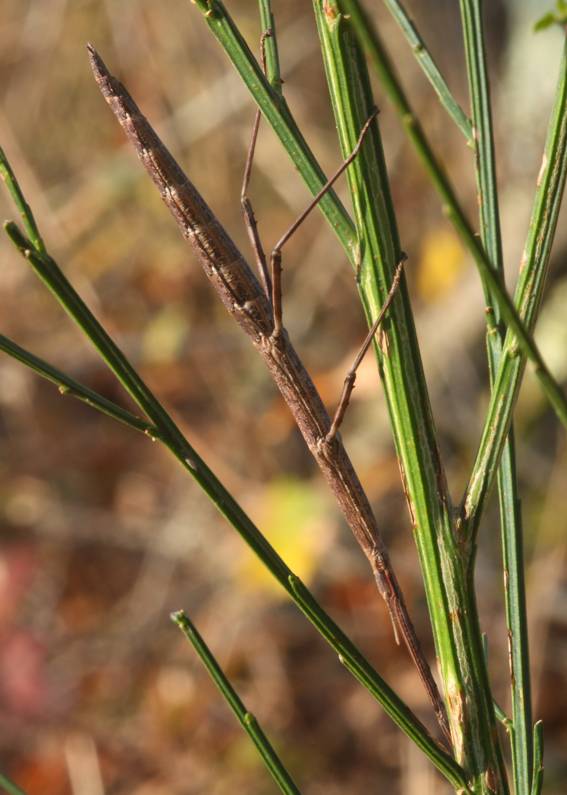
[535, 262]
[18, 197]
[246, 719]
[245, 300]
[272, 61]
[537, 766]
[509, 500]
[528, 297]
[172, 438]
[70, 388]
[430, 69]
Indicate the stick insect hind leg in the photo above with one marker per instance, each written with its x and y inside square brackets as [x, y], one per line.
[350, 378]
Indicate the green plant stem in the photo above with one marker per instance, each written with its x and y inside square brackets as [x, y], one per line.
[537, 781]
[509, 500]
[380, 60]
[483, 133]
[248, 722]
[516, 617]
[448, 589]
[19, 200]
[430, 69]
[69, 387]
[502, 406]
[170, 435]
[270, 46]
[528, 297]
[9, 786]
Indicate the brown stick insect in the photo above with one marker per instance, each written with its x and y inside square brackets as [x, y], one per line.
[257, 308]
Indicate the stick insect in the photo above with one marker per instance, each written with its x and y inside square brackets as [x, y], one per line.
[257, 310]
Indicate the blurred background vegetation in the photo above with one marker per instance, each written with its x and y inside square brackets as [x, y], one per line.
[102, 536]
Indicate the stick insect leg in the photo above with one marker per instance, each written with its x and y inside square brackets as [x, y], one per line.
[350, 379]
[276, 258]
[248, 212]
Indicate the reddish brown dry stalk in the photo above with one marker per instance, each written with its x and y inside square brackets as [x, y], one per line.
[242, 295]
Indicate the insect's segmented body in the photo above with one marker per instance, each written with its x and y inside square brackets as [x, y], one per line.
[246, 300]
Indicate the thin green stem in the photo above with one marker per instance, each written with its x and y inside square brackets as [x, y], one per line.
[483, 133]
[430, 69]
[516, 618]
[247, 720]
[19, 200]
[507, 381]
[10, 787]
[70, 388]
[498, 711]
[502, 717]
[524, 340]
[509, 501]
[537, 781]
[270, 45]
[529, 292]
